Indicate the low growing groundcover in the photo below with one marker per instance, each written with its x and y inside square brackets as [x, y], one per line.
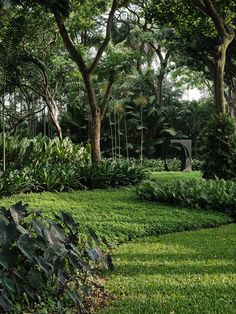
[119, 214]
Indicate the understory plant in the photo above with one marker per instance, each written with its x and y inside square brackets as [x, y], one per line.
[219, 149]
[157, 165]
[110, 173]
[219, 194]
[23, 152]
[46, 176]
[48, 264]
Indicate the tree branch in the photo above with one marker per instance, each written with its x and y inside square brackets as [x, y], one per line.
[74, 53]
[21, 120]
[33, 89]
[102, 48]
[209, 10]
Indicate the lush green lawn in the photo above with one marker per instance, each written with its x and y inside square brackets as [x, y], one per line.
[176, 174]
[119, 214]
[188, 272]
[179, 273]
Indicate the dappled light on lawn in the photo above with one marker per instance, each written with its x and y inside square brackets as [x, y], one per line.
[190, 272]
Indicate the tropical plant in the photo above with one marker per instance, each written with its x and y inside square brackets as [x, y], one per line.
[109, 173]
[218, 152]
[216, 194]
[44, 261]
[21, 152]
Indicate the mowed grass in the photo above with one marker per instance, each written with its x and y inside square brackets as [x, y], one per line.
[188, 272]
[119, 214]
[166, 175]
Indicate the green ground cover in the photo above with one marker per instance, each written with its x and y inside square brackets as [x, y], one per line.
[175, 174]
[188, 272]
[119, 214]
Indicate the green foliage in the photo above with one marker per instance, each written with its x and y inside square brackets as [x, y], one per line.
[108, 173]
[219, 149]
[63, 176]
[40, 256]
[157, 165]
[27, 152]
[216, 194]
[118, 214]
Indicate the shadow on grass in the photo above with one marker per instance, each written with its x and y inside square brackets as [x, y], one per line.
[190, 272]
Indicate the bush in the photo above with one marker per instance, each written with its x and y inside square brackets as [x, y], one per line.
[24, 152]
[109, 173]
[216, 195]
[219, 149]
[46, 262]
[197, 164]
[47, 176]
[157, 165]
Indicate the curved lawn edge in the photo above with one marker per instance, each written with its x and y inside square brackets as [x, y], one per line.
[187, 272]
[119, 215]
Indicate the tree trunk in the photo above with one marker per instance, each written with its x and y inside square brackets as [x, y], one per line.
[95, 136]
[95, 120]
[54, 112]
[88, 72]
[159, 89]
[220, 61]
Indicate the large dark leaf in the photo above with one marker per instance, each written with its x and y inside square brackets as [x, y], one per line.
[7, 283]
[24, 244]
[5, 303]
[74, 296]
[69, 221]
[58, 233]
[54, 235]
[18, 212]
[39, 227]
[62, 276]
[2, 217]
[95, 254]
[44, 265]
[3, 233]
[11, 231]
[9, 257]
[93, 235]
[34, 277]
[110, 265]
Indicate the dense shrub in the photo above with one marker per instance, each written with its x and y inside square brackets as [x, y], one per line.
[47, 176]
[217, 194]
[22, 152]
[45, 263]
[219, 149]
[197, 164]
[156, 165]
[108, 173]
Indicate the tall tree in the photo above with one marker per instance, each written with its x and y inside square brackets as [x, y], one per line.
[212, 20]
[60, 10]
